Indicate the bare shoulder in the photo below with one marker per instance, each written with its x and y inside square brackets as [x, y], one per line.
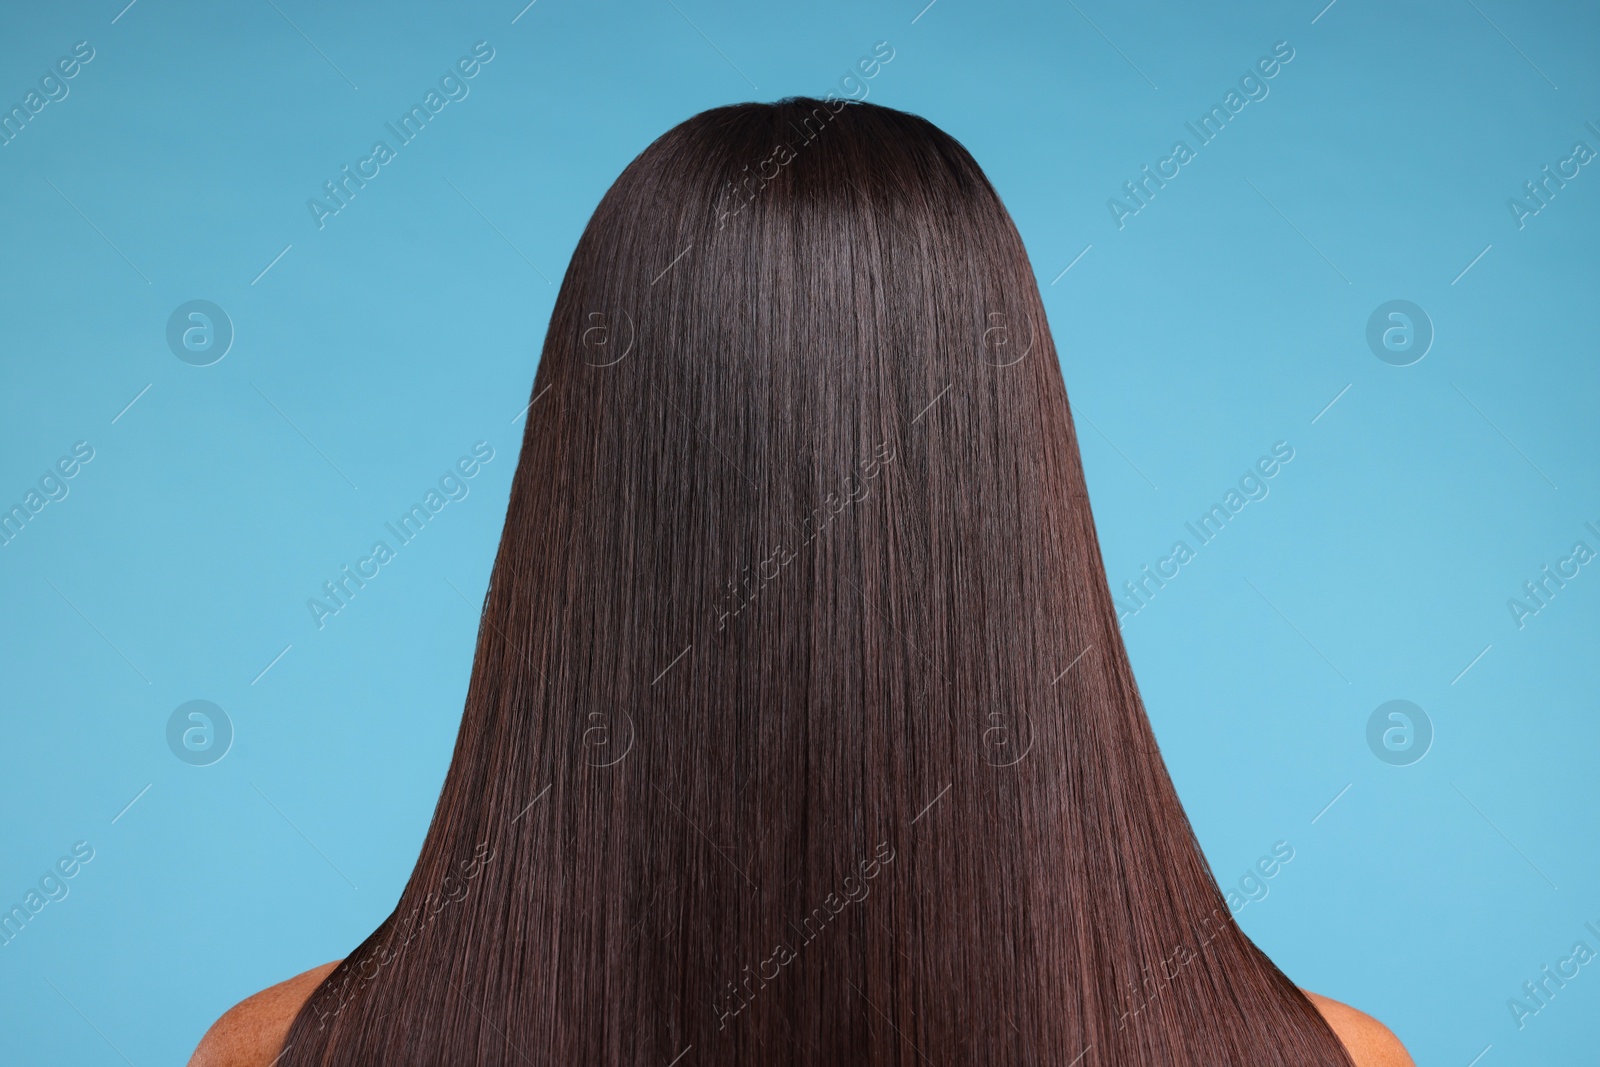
[1369, 1042]
[251, 1033]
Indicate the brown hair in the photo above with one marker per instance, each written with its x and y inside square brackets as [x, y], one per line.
[800, 728]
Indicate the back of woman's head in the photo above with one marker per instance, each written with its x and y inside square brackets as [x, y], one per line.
[800, 728]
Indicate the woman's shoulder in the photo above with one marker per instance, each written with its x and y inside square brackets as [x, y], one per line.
[1369, 1042]
[251, 1033]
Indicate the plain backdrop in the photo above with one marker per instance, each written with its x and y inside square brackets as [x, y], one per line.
[1228, 313]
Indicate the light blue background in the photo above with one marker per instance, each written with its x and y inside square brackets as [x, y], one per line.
[1223, 317]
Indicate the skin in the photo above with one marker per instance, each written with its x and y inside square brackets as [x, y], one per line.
[251, 1033]
[1369, 1042]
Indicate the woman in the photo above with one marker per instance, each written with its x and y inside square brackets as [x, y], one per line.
[800, 728]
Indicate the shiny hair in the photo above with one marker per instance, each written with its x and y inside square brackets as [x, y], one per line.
[800, 728]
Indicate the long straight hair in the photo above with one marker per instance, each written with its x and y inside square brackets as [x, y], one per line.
[800, 728]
